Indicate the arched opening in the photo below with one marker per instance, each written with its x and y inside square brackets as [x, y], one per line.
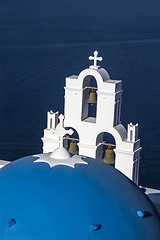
[51, 123]
[136, 171]
[89, 100]
[131, 135]
[71, 142]
[104, 140]
[117, 110]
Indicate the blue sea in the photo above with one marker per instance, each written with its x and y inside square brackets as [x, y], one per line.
[42, 42]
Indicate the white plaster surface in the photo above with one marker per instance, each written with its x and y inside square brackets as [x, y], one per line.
[3, 163]
[60, 153]
[55, 159]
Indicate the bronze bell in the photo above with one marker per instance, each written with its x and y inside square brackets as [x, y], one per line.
[92, 97]
[109, 156]
[73, 147]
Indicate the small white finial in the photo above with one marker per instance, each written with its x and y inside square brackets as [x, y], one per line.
[95, 58]
[60, 130]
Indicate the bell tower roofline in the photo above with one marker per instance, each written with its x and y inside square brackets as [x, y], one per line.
[104, 83]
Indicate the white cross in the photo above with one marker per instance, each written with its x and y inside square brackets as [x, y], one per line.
[61, 131]
[95, 58]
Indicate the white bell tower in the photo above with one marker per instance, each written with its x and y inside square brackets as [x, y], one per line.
[106, 120]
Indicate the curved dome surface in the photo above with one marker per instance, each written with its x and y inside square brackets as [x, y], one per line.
[88, 201]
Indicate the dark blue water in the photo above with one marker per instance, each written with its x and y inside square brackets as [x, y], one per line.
[42, 42]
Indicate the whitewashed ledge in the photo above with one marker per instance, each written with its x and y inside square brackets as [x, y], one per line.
[3, 163]
[154, 195]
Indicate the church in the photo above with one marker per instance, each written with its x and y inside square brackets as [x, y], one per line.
[79, 187]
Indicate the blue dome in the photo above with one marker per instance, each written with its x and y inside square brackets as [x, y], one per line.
[88, 201]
